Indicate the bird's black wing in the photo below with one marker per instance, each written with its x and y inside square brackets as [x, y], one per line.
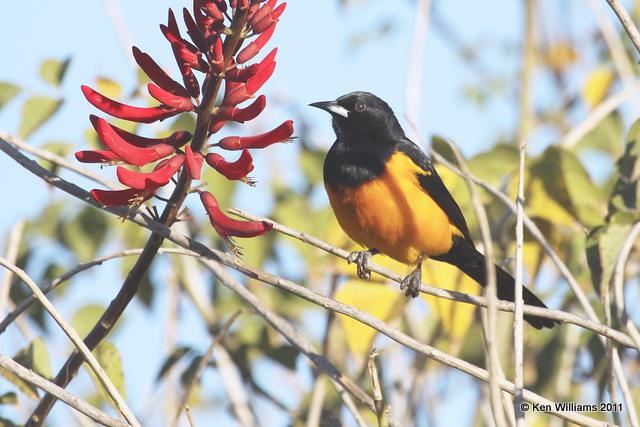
[432, 184]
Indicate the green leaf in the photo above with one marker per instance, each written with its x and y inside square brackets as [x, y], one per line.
[39, 358]
[189, 373]
[53, 71]
[85, 233]
[108, 87]
[626, 192]
[86, 317]
[9, 398]
[566, 182]
[173, 358]
[603, 246]
[285, 355]
[311, 162]
[606, 136]
[8, 91]
[4, 422]
[109, 358]
[439, 145]
[494, 164]
[62, 149]
[36, 111]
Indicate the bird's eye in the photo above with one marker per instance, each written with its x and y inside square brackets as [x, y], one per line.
[360, 107]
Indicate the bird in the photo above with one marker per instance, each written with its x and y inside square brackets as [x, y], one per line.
[388, 197]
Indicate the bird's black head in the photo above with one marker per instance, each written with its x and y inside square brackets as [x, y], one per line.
[361, 116]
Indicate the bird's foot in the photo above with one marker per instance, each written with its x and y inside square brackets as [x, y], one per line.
[362, 259]
[412, 282]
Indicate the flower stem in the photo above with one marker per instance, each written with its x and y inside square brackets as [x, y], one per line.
[132, 282]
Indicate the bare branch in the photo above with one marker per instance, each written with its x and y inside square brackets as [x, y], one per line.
[489, 327]
[627, 22]
[76, 403]
[413, 89]
[562, 316]
[597, 114]
[24, 305]
[77, 341]
[518, 355]
[382, 408]
[11, 254]
[58, 160]
[301, 291]
[203, 363]
[618, 283]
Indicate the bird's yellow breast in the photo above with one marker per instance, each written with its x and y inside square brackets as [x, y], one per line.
[393, 213]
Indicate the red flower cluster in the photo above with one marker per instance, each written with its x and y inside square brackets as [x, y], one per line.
[217, 31]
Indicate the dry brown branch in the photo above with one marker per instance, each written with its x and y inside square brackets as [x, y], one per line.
[518, 355]
[217, 338]
[76, 403]
[77, 341]
[491, 292]
[627, 22]
[289, 286]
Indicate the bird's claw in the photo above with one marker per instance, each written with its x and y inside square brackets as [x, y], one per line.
[361, 259]
[412, 283]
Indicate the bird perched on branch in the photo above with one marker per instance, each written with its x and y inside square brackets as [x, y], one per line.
[388, 197]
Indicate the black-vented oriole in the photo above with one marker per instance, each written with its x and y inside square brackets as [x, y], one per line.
[388, 197]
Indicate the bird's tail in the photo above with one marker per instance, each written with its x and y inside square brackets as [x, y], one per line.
[465, 256]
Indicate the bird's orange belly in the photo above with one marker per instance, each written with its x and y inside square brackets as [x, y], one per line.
[393, 214]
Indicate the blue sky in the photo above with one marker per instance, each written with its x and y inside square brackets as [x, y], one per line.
[314, 63]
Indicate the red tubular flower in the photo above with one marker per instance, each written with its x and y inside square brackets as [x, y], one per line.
[228, 227]
[254, 47]
[237, 170]
[126, 151]
[218, 56]
[236, 74]
[168, 99]
[279, 134]
[222, 38]
[127, 112]
[160, 176]
[157, 75]
[126, 197]
[242, 115]
[194, 163]
[212, 10]
[176, 139]
[97, 156]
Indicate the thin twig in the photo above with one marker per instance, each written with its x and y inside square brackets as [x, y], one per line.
[562, 316]
[318, 393]
[415, 77]
[340, 381]
[77, 341]
[598, 114]
[226, 259]
[627, 22]
[217, 338]
[518, 354]
[58, 160]
[122, 33]
[234, 387]
[382, 408]
[621, 60]
[491, 291]
[24, 304]
[187, 410]
[281, 283]
[618, 284]
[76, 403]
[11, 254]
[525, 117]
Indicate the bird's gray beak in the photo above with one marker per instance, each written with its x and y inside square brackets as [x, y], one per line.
[331, 107]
